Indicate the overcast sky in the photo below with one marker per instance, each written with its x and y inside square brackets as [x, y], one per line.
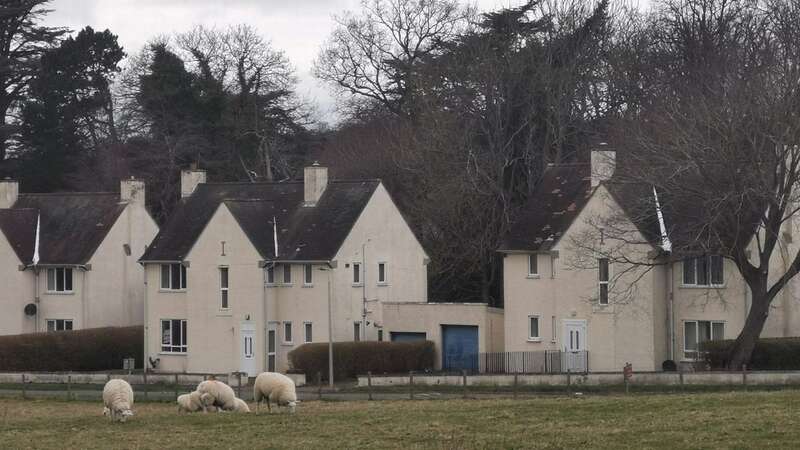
[298, 27]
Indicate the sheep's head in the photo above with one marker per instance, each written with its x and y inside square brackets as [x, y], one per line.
[291, 406]
[124, 414]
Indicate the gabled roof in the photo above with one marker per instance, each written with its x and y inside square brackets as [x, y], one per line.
[304, 233]
[558, 200]
[72, 225]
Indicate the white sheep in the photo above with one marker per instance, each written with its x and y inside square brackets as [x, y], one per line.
[216, 393]
[274, 387]
[192, 402]
[118, 400]
[240, 406]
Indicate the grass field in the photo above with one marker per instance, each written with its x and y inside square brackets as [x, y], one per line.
[713, 420]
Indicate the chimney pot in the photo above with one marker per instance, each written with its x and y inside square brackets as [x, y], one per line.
[315, 181]
[132, 190]
[190, 179]
[604, 163]
[9, 192]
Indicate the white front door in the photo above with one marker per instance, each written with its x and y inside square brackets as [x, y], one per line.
[248, 337]
[574, 345]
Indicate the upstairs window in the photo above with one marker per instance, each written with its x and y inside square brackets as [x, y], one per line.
[602, 280]
[382, 273]
[356, 273]
[223, 287]
[59, 325]
[287, 274]
[308, 274]
[704, 271]
[533, 265]
[173, 277]
[271, 274]
[59, 279]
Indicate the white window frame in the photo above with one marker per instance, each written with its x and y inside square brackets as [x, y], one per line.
[692, 355]
[308, 337]
[385, 280]
[553, 328]
[357, 331]
[308, 275]
[269, 272]
[289, 341]
[601, 282]
[224, 291]
[182, 276]
[51, 280]
[533, 269]
[64, 323]
[531, 337]
[694, 283]
[287, 269]
[183, 345]
[357, 274]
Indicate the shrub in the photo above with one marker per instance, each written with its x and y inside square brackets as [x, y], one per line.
[356, 358]
[94, 349]
[769, 354]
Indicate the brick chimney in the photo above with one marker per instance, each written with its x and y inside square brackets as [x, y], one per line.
[132, 191]
[315, 180]
[604, 163]
[190, 178]
[9, 192]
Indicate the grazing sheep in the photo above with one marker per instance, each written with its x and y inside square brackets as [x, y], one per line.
[192, 402]
[118, 400]
[241, 406]
[274, 387]
[216, 393]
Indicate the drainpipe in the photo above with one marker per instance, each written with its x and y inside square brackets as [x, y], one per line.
[84, 287]
[145, 353]
[36, 298]
[265, 317]
[671, 310]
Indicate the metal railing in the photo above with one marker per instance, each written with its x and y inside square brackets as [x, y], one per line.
[543, 361]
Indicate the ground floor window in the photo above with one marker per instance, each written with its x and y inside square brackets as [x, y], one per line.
[287, 331]
[309, 330]
[695, 332]
[533, 328]
[356, 331]
[59, 324]
[173, 336]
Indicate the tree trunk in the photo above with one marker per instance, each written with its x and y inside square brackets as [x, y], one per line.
[742, 349]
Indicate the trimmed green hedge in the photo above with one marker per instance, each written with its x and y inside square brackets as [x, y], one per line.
[94, 349]
[357, 358]
[769, 354]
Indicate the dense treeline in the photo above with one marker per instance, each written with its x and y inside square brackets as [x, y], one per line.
[459, 112]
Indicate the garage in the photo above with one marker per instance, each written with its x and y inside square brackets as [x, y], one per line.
[459, 347]
[403, 336]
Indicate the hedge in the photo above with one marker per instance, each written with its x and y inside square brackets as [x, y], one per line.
[357, 358]
[89, 350]
[769, 354]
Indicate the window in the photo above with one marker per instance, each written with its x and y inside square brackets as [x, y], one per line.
[356, 273]
[173, 336]
[382, 273]
[602, 280]
[533, 265]
[308, 274]
[271, 274]
[59, 279]
[287, 274]
[59, 325]
[695, 332]
[356, 331]
[704, 271]
[308, 330]
[173, 277]
[553, 329]
[248, 347]
[380, 335]
[533, 328]
[223, 287]
[287, 332]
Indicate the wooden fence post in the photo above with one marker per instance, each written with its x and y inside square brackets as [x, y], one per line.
[516, 376]
[319, 385]
[176, 386]
[464, 378]
[744, 376]
[24, 388]
[239, 386]
[411, 384]
[69, 387]
[369, 384]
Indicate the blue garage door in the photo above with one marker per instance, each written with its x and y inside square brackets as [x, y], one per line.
[402, 336]
[459, 347]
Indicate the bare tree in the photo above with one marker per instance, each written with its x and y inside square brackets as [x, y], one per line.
[373, 55]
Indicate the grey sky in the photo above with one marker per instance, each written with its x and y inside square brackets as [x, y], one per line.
[297, 27]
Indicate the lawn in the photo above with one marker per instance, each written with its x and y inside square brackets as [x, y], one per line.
[712, 420]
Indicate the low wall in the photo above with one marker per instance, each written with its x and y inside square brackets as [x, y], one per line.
[185, 379]
[593, 379]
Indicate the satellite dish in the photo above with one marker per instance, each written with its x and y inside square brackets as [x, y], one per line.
[30, 309]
